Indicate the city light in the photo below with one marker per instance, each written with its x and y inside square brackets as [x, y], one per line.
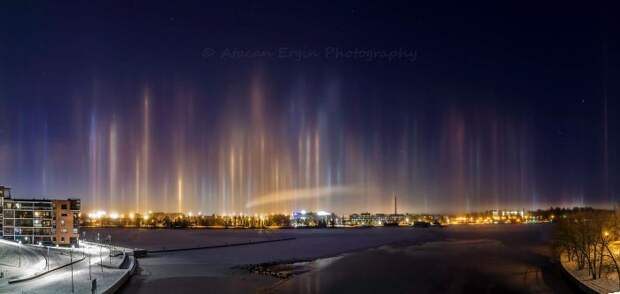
[305, 218]
[97, 214]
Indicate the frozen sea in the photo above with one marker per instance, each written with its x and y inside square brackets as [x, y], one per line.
[456, 259]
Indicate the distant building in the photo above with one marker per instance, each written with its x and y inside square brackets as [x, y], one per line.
[313, 219]
[379, 219]
[37, 221]
[362, 219]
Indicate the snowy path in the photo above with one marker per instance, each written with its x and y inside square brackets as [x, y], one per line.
[102, 267]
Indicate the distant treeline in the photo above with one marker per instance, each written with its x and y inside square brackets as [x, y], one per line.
[166, 220]
[558, 212]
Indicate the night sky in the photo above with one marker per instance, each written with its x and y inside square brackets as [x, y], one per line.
[135, 106]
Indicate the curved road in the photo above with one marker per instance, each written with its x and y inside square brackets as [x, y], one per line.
[18, 261]
[78, 276]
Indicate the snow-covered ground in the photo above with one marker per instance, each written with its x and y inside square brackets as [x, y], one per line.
[607, 284]
[17, 260]
[102, 267]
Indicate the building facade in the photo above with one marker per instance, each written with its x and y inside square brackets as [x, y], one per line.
[66, 221]
[39, 221]
[27, 220]
[4, 192]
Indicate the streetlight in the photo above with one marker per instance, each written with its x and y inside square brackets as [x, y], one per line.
[110, 248]
[71, 254]
[19, 253]
[90, 277]
[100, 258]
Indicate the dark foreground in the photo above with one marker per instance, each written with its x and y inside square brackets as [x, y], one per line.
[457, 259]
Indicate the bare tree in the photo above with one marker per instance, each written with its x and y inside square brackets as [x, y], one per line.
[584, 236]
[610, 234]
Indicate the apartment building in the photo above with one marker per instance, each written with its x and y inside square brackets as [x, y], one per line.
[39, 221]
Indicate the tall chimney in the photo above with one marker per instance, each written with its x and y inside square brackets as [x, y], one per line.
[395, 206]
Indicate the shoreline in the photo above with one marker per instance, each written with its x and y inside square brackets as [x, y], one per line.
[275, 228]
[286, 269]
[296, 273]
[583, 281]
